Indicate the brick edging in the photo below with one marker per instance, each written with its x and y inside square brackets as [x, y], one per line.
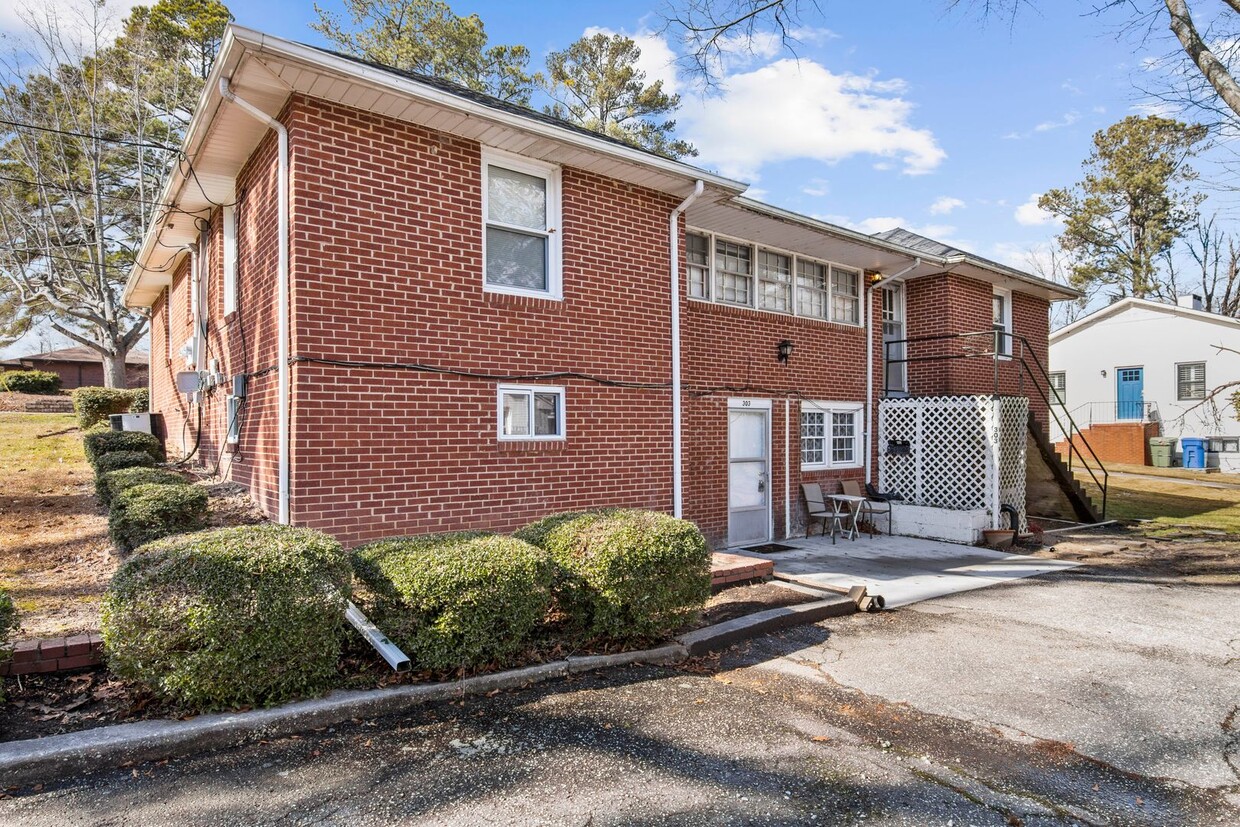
[54, 654]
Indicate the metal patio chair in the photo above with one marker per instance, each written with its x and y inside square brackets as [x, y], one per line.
[870, 507]
[823, 510]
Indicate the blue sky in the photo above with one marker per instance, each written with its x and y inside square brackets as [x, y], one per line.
[894, 113]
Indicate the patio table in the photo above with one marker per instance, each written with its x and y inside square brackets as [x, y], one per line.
[854, 504]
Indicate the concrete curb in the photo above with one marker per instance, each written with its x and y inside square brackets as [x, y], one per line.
[47, 759]
[722, 635]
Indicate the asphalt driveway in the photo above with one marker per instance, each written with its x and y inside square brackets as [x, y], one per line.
[1101, 695]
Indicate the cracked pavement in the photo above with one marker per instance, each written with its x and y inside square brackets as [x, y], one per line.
[1097, 696]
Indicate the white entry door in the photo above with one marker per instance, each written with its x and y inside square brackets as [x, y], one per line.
[749, 497]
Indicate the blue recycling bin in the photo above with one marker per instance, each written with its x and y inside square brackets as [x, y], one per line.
[1194, 452]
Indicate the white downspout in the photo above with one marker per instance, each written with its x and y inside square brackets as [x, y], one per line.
[674, 245]
[787, 471]
[282, 291]
[869, 362]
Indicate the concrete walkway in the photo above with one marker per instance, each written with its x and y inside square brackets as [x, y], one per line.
[903, 570]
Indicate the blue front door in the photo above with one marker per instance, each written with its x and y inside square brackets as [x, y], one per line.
[1129, 393]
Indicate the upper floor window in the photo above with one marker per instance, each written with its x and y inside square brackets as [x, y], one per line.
[521, 207]
[1002, 307]
[1190, 381]
[734, 272]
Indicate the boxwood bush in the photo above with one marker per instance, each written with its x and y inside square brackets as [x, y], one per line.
[139, 400]
[111, 483]
[29, 381]
[243, 616]
[116, 460]
[626, 575]
[104, 441]
[150, 511]
[94, 405]
[457, 600]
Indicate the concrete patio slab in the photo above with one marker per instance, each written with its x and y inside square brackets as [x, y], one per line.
[903, 570]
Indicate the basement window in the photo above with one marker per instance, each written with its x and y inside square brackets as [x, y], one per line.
[531, 412]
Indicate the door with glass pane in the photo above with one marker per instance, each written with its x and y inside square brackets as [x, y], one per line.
[1129, 393]
[749, 501]
[895, 375]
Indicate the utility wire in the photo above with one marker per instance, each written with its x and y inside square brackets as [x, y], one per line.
[495, 377]
[105, 138]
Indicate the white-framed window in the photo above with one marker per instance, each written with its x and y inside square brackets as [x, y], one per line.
[530, 412]
[229, 218]
[845, 296]
[232, 414]
[521, 220]
[1002, 307]
[732, 271]
[697, 255]
[1059, 388]
[774, 281]
[830, 435]
[1190, 381]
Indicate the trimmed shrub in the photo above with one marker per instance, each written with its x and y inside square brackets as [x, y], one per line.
[111, 483]
[457, 600]
[626, 575]
[96, 404]
[117, 460]
[8, 625]
[151, 511]
[140, 400]
[243, 616]
[105, 441]
[29, 381]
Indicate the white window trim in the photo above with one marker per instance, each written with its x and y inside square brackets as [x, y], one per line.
[755, 302]
[561, 417]
[829, 408]
[230, 259]
[1007, 322]
[551, 174]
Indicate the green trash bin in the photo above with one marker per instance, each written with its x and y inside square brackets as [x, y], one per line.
[1162, 449]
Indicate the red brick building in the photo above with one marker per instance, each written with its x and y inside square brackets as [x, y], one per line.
[80, 367]
[481, 315]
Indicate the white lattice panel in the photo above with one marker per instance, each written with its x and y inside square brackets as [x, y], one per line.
[965, 452]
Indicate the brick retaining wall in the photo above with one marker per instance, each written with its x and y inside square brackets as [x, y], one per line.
[57, 654]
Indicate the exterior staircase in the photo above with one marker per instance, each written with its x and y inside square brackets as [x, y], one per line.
[1046, 468]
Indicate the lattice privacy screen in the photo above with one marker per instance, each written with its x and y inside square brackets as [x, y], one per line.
[957, 452]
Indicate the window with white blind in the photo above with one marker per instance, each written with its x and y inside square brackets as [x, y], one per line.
[1190, 381]
[1059, 388]
[531, 412]
[521, 211]
[830, 435]
[730, 271]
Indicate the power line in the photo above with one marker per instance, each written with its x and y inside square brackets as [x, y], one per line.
[80, 191]
[72, 134]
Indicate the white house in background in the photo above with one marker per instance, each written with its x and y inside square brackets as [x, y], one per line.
[1141, 361]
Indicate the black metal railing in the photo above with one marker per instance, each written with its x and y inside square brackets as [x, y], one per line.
[1000, 347]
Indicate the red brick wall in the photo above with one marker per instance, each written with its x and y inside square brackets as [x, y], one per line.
[1124, 442]
[949, 303]
[388, 268]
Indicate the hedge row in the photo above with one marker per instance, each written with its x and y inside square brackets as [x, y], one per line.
[29, 381]
[466, 600]
[95, 405]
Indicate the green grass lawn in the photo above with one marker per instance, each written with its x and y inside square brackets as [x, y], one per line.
[1171, 504]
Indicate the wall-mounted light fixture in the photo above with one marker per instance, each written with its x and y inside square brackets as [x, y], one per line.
[784, 350]
[1103, 372]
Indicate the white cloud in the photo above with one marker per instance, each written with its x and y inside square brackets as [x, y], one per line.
[657, 59]
[1069, 86]
[939, 232]
[1030, 214]
[817, 187]
[945, 204]
[801, 110]
[1160, 108]
[75, 18]
[1068, 119]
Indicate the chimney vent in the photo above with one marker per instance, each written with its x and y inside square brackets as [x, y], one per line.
[1190, 302]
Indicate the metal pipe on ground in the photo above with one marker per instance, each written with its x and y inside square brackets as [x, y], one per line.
[388, 650]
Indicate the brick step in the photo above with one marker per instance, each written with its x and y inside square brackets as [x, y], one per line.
[726, 569]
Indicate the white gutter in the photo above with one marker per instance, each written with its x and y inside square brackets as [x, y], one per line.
[869, 362]
[282, 292]
[674, 248]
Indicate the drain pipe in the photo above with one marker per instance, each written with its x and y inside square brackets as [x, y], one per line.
[869, 362]
[674, 247]
[282, 291]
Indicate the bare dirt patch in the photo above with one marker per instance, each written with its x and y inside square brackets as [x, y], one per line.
[54, 552]
[1191, 558]
[739, 601]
